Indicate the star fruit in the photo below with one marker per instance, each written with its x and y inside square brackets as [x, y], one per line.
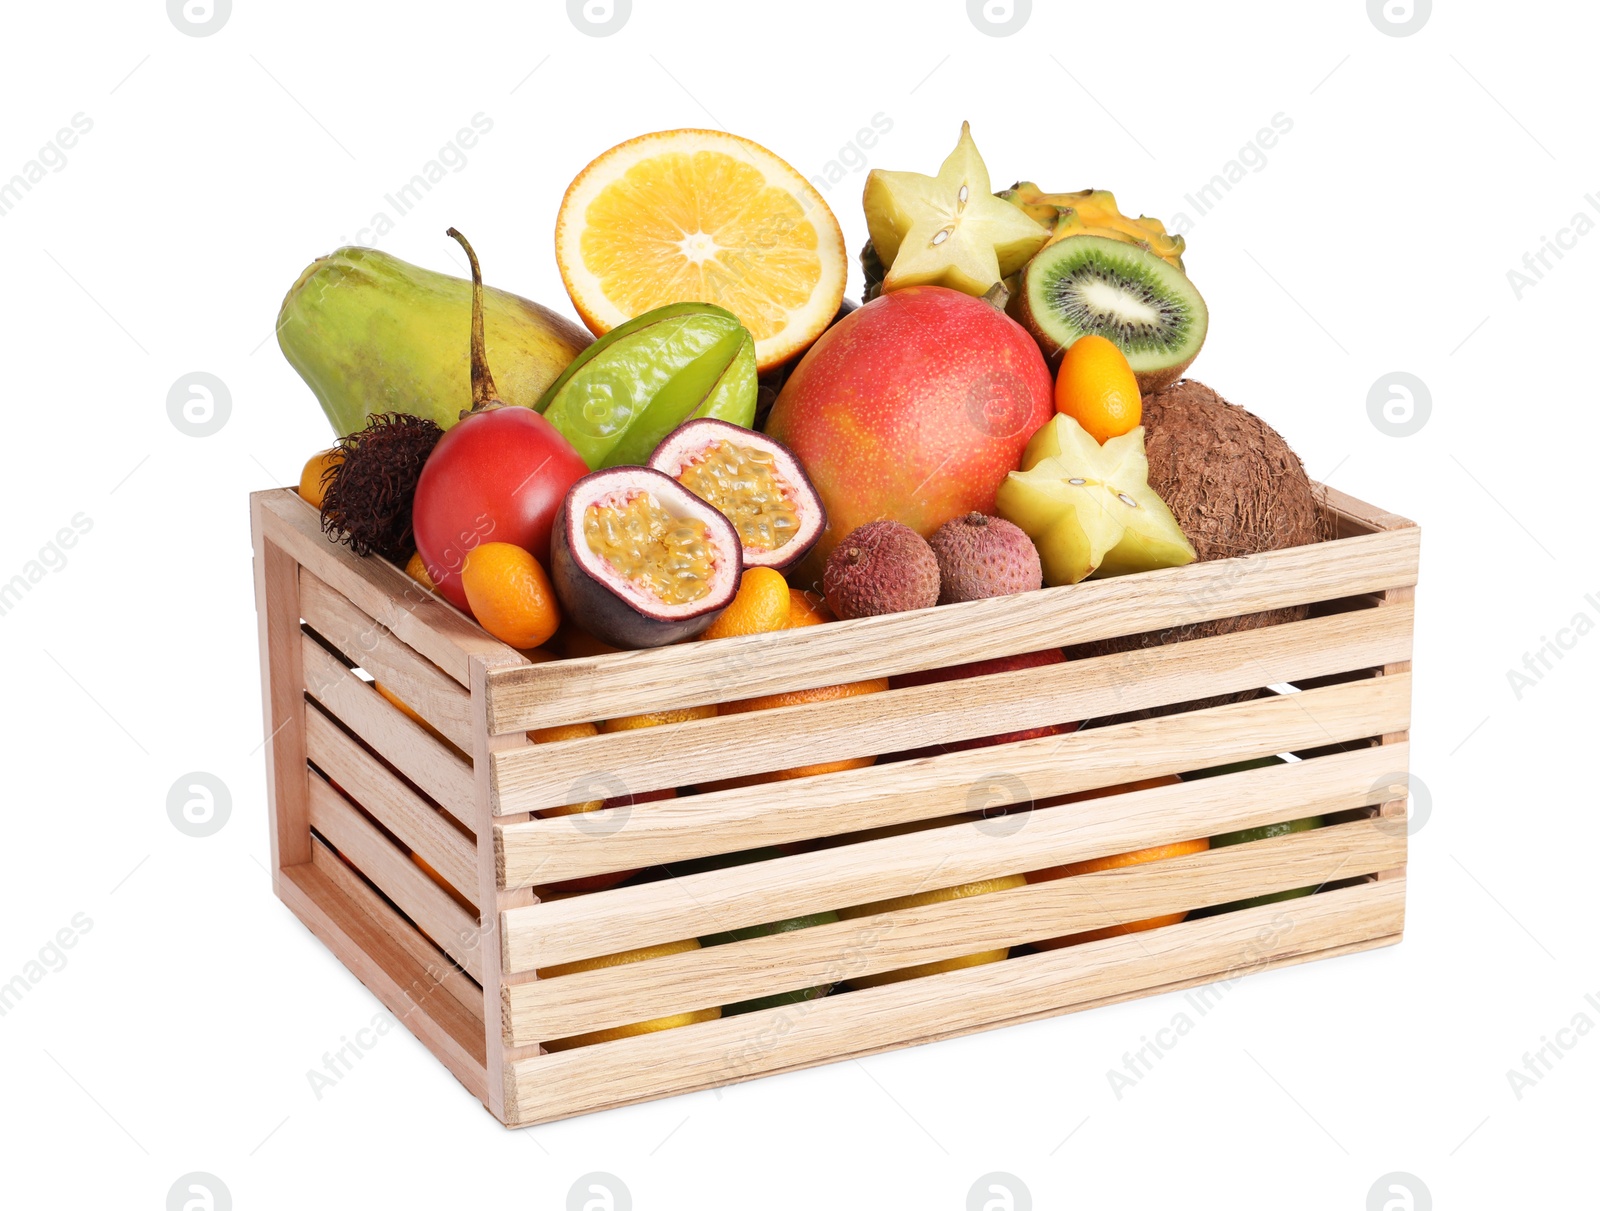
[1088, 507]
[949, 230]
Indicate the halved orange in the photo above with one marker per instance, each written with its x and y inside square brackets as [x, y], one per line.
[684, 216]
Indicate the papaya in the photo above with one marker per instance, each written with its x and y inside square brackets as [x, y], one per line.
[371, 333]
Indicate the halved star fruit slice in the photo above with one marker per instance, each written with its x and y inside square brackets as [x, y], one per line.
[948, 230]
[1088, 507]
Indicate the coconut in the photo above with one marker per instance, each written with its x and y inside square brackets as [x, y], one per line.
[1236, 489]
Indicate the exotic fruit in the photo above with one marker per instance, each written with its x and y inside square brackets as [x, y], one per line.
[640, 381]
[913, 409]
[947, 230]
[1089, 508]
[881, 568]
[367, 493]
[1235, 487]
[497, 476]
[981, 556]
[370, 333]
[1124, 292]
[640, 561]
[1094, 212]
[758, 485]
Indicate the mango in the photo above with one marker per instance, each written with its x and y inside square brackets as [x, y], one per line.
[371, 333]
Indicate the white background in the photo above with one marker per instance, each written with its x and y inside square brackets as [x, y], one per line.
[1377, 237]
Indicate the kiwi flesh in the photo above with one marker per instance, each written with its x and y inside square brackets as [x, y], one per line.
[1146, 307]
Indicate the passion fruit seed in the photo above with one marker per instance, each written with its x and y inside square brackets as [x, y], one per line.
[743, 482]
[644, 543]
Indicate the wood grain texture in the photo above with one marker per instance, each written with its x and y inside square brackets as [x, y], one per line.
[778, 813]
[435, 628]
[277, 585]
[690, 906]
[442, 974]
[827, 954]
[468, 991]
[1394, 742]
[393, 804]
[435, 767]
[392, 872]
[715, 1053]
[418, 681]
[604, 687]
[496, 902]
[678, 754]
[381, 949]
[1360, 517]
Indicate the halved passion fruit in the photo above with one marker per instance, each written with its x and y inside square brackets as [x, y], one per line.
[756, 483]
[639, 561]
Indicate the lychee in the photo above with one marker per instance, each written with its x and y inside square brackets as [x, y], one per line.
[882, 567]
[981, 556]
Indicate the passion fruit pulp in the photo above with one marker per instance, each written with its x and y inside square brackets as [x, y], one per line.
[639, 561]
[752, 480]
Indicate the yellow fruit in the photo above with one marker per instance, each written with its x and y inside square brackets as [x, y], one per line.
[919, 899]
[947, 230]
[417, 569]
[1094, 212]
[510, 595]
[1096, 387]
[562, 731]
[312, 475]
[616, 960]
[762, 604]
[702, 216]
[682, 714]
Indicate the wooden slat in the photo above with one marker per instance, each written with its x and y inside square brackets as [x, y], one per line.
[540, 1010]
[625, 918]
[672, 830]
[720, 1052]
[432, 626]
[401, 741]
[679, 675]
[645, 759]
[282, 704]
[427, 904]
[1360, 516]
[417, 681]
[442, 975]
[393, 804]
[412, 979]
[496, 903]
[1395, 742]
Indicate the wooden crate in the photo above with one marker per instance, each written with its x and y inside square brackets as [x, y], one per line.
[358, 786]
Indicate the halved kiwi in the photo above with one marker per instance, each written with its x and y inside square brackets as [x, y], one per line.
[1088, 284]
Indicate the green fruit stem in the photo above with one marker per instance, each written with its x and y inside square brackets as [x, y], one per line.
[484, 394]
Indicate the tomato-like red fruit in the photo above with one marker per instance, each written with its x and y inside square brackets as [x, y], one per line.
[496, 476]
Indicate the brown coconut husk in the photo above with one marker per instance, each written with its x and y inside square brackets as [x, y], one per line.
[1236, 488]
